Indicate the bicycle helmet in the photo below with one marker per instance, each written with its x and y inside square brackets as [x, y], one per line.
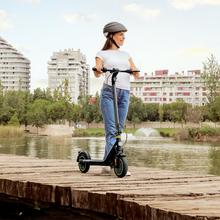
[113, 27]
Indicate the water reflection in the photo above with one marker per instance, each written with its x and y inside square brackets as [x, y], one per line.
[158, 152]
[214, 155]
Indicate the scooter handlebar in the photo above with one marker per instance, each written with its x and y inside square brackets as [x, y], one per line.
[116, 70]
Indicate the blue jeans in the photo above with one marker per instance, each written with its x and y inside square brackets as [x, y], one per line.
[107, 108]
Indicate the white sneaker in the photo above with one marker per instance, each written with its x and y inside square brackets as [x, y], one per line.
[128, 173]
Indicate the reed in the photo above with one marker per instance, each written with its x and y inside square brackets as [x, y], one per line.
[10, 131]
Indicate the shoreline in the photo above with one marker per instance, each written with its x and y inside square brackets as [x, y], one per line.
[196, 135]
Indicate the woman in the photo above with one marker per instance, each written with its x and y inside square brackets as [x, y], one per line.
[112, 57]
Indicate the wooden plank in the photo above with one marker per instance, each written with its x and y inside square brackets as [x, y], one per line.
[147, 194]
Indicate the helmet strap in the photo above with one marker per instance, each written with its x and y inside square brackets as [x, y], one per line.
[113, 41]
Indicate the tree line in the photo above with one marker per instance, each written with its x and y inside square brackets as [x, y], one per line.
[41, 107]
[45, 107]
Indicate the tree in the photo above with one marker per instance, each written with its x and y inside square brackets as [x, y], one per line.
[56, 94]
[161, 113]
[27, 100]
[214, 110]
[10, 99]
[97, 112]
[167, 112]
[152, 111]
[88, 109]
[89, 114]
[178, 110]
[39, 94]
[6, 112]
[18, 101]
[62, 92]
[136, 110]
[66, 95]
[57, 110]
[211, 77]
[76, 114]
[48, 95]
[37, 114]
[14, 120]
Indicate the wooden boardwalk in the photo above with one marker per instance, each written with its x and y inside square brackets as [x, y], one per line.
[146, 194]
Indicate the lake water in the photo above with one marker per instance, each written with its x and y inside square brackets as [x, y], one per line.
[163, 153]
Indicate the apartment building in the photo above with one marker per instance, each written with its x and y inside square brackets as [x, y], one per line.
[70, 65]
[161, 87]
[14, 68]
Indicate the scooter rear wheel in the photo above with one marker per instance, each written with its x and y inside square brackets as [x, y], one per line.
[83, 167]
[121, 166]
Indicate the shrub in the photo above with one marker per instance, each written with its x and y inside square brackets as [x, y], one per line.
[182, 134]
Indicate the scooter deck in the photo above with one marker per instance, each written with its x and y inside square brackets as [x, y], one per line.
[96, 162]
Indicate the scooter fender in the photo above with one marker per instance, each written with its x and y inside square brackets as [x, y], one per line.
[77, 159]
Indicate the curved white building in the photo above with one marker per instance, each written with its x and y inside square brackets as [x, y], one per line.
[14, 68]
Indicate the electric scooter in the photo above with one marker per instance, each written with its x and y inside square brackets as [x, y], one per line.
[116, 158]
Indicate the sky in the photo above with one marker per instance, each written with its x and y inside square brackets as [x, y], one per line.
[177, 35]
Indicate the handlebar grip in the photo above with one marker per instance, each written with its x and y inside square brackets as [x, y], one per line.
[131, 71]
[103, 69]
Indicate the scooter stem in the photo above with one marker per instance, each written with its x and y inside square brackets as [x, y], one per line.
[114, 77]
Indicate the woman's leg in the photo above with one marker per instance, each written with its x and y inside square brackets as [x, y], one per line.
[107, 108]
[123, 104]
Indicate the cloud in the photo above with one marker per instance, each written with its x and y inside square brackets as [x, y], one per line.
[189, 4]
[4, 20]
[33, 2]
[76, 17]
[141, 11]
[194, 51]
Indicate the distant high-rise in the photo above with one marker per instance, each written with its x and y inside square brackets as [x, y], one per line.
[14, 68]
[69, 65]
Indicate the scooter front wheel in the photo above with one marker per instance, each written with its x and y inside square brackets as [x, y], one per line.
[121, 166]
[83, 167]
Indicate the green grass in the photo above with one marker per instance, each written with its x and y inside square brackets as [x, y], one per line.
[168, 132]
[89, 132]
[10, 131]
[95, 132]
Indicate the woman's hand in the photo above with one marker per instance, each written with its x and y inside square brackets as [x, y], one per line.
[133, 68]
[98, 66]
[136, 74]
[98, 72]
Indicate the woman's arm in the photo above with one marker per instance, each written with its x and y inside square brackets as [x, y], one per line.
[98, 66]
[133, 68]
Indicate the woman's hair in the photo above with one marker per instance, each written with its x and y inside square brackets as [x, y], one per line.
[108, 44]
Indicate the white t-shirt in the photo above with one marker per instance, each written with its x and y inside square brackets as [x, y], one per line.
[116, 59]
